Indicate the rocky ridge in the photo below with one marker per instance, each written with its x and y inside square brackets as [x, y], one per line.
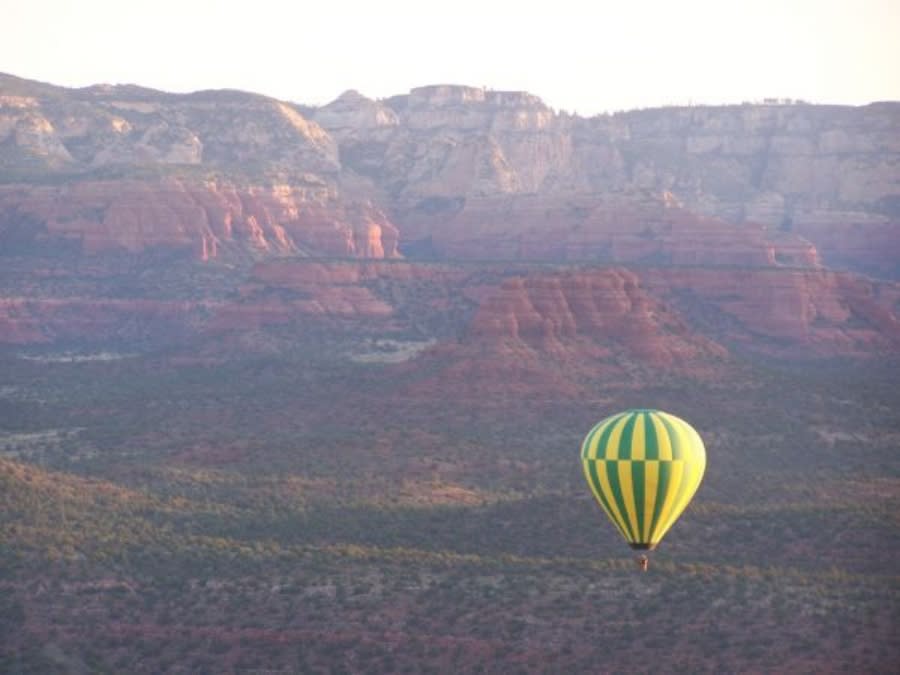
[433, 161]
[728, 219]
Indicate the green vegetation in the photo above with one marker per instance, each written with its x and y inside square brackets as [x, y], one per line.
[307, 512]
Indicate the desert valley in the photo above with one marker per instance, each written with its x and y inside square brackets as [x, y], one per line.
[288, 388]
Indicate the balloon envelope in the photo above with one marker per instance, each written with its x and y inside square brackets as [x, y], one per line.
[643, 467]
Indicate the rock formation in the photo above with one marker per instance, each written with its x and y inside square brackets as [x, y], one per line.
[200, 218]
[786, 312]
[818, 172]
[608, 228]
[605, 311]
[123, 168]
[460, 172]
[516, 221]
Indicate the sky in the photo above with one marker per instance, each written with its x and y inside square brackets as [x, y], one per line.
[584, 56]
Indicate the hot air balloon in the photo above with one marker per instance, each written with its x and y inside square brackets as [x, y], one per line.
[643, 467]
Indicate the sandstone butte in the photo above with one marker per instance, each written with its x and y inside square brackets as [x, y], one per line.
[663, 316]
[729, 218]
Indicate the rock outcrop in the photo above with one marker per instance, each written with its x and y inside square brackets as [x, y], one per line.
[196, 217]
[500, 315]
[824, 174]
[126, 129]
[858, 241]
[124, 168]
[613, 229]
[596, 314]
[666, 315]
[462, 172]
[660, 315]
[785, 312]
[729, 219]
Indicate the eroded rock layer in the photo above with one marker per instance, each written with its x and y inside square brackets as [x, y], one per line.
[197, 218]
[668, 237]
[464, 172]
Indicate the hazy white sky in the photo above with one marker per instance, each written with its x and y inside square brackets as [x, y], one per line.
[581, 55]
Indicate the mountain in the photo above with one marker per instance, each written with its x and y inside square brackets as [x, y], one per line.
[302, 389]
[93, 177]
[460, 172]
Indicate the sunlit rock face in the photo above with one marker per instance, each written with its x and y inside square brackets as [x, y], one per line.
[461, 163]
[108, 169]
[450, 141]
[198, 218]
[453, 171]
[659, 315]
[127, 127]
[730, 221]
[587, 312]
[665, 318]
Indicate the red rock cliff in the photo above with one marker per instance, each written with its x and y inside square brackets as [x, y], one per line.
[602, 311]
[787, 312]
[196, 217]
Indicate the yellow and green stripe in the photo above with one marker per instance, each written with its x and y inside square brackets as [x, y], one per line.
[643, 467]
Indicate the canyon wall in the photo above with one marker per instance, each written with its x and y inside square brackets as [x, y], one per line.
[515, 220]
[441, 154]
[450, 172]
